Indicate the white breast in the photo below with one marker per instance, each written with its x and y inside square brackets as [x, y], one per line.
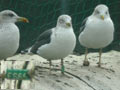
[97, 34]
[62, 44]
[9, 40]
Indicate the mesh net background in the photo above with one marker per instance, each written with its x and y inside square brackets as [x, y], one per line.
[43, 15]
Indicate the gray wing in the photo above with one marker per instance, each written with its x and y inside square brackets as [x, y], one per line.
[44, 38]
[83, 24]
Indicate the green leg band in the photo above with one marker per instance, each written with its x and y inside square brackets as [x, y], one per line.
[62, 69]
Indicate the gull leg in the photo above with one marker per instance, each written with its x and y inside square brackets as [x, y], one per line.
[86, 62]
[62, 66]
[50, 63]
[100, 53]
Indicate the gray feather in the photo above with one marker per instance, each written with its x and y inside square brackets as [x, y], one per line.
[83, 24]
[44, 38]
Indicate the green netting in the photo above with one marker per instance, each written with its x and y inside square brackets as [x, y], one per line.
[43, 15]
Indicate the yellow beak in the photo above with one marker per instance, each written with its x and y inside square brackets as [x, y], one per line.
[68, 24]
[102, 17]
[23, 19]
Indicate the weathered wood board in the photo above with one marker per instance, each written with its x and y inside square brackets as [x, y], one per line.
[77, 77]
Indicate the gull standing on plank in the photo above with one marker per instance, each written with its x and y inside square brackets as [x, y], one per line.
[56, 43]
[98, 31]
[9, 33]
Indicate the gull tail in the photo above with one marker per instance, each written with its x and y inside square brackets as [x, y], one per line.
[26, 51]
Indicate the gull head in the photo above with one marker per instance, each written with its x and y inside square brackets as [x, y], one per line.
[64, 21]
[8, 16]
[101, 11]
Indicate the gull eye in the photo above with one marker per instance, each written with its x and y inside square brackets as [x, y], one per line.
[97, 12]
[10, 14]
[106, 12]
[61, 21]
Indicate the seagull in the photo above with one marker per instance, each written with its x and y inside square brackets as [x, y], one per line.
[97, 31]
[56, 43]
[9, 33]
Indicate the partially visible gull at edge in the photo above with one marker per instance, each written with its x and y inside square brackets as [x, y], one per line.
[9, 33]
